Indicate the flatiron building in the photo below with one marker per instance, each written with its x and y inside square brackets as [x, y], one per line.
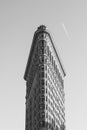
[44, 76]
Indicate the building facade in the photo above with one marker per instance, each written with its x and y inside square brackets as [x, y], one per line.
[44, 77]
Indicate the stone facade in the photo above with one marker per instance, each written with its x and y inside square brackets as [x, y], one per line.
[44, 85]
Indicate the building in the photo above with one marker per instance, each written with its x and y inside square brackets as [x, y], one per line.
[44, 77]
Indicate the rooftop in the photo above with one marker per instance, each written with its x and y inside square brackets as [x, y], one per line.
[42, 27]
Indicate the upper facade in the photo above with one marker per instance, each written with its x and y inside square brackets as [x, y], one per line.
[44, 77]
[43, 34]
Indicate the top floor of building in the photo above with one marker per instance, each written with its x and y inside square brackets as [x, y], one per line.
[43, 39]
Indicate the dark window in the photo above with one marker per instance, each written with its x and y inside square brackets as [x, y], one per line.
[46, 75]
[42, 91]
[42, 50]
[46, 90]
[56, 68]
[52, 60]
[41, 68]
[42, 74]
[46, 67]
[46, 107]
[50, 56]
[35, 112]
[42, 123]
[45, 50]
[46, 115]
[42, 99]
[57, 71]
[42, 106]
[54, 65]
[48, 50]
[34, 105]
[45, 60]
[46, 98]
[35, 90]
[46, 82]
[41, 59]
[34, 97]
[42, 81]
[42, 43]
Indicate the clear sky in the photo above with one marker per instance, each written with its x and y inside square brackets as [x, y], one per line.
[67, 22]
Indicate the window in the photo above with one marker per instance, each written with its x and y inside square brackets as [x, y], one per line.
[34, 105]
[45, 50]
[35, 97]
[42, 50]
[41, 59]
[46, 67]
[56, 127]
[42, 99]
[46, 90]
[52, 60]
[50, 56]
[42, 74]
[49, 94]
[46, 115]
[42, 68]
[42, 106]
[35, 90]
[49, 117]
[46, 82]
[46, 107]
[42, 114]
[35, 112]
[45, 60]
[48, 50]
[49, 86]
[46, 75]
[42, 41]
[46, 98]
[54, 65]
[56, 68]
[42, 90]
[49, 101]
[42, 81]
[41, 123]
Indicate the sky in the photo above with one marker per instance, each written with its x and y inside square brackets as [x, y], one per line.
[66, 20]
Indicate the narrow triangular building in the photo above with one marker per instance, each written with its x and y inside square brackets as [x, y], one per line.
[44, 77]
